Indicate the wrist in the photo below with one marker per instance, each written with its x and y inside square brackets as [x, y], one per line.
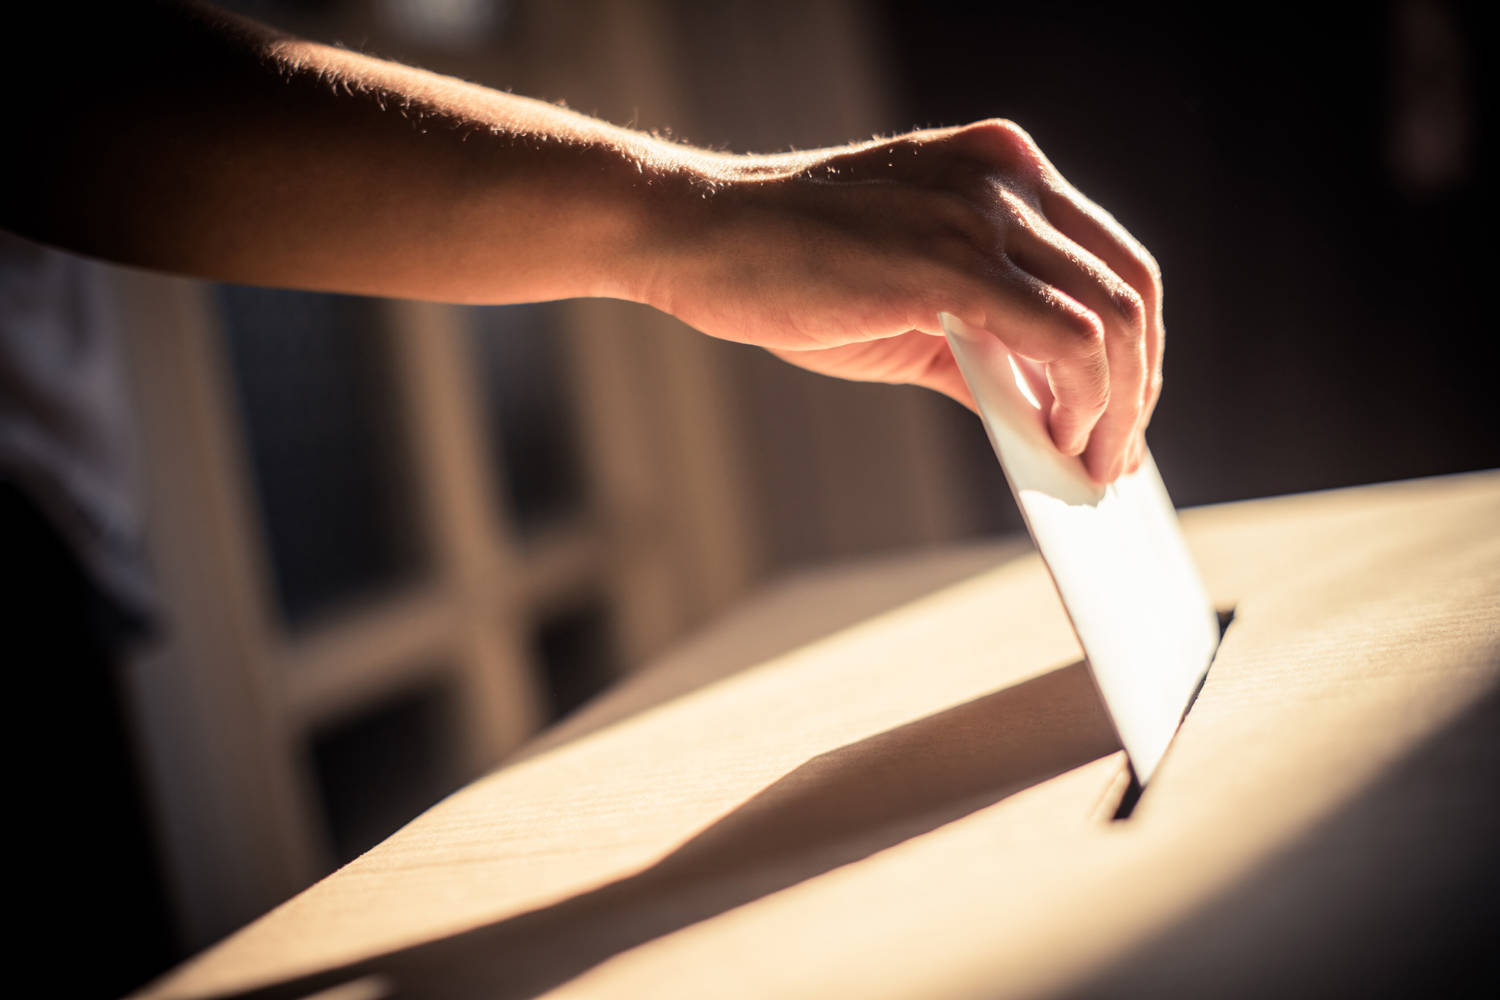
[672, 200]
[687, 207]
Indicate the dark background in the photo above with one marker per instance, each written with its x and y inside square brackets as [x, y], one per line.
[1309, 178]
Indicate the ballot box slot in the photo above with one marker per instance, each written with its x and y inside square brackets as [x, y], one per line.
[1125, 790]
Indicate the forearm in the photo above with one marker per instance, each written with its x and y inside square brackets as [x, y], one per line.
[183, 139]
[209, 146]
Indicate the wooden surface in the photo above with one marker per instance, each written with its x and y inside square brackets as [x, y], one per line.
[895, 781]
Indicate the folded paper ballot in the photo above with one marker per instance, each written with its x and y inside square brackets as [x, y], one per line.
[1115, 552]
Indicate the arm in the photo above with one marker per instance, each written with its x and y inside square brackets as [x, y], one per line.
[184, 139]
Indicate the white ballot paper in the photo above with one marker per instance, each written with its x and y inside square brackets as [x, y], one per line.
[1118, 558]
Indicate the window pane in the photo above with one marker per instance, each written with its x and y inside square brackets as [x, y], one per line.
[381, 767]
[528, 409]
[574, 648]
[318, 405]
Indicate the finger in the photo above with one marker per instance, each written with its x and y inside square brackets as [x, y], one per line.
[1042, 323]
[1053, 258]
[1094, 229]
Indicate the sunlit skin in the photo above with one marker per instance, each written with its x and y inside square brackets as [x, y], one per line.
[187, 140]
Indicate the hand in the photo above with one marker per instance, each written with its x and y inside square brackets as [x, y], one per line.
[840, 261]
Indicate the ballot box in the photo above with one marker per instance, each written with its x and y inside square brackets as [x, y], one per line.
[896, 779]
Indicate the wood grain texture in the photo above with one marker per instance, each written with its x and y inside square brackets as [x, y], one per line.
[914, 805]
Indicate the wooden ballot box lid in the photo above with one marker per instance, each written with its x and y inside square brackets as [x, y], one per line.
[895, 779]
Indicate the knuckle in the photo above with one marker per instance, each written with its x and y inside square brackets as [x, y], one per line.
[1153, 269]
[1008, 144]
[1132, 308]
[1010, 134]
[1151, 285]
[1085, 331]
